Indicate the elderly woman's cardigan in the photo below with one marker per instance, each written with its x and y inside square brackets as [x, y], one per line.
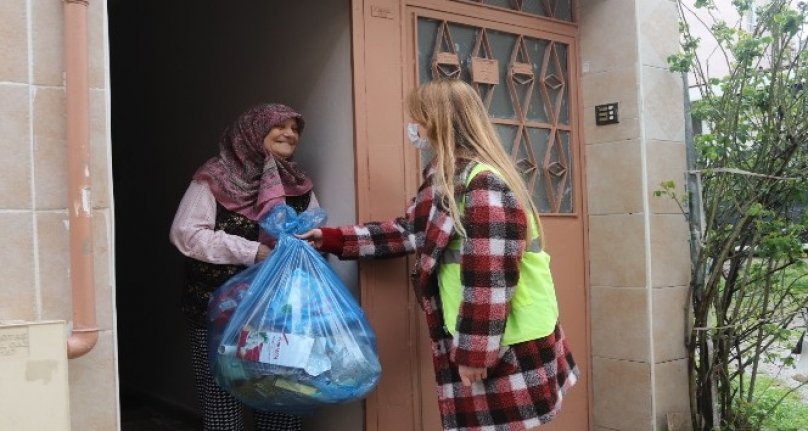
[526, 381]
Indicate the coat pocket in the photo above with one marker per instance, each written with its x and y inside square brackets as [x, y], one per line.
[506, 365]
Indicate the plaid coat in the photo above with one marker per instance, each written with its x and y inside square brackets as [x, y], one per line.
[526, 381]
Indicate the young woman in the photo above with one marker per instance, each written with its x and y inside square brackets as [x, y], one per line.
[216, 228]
[501, 359]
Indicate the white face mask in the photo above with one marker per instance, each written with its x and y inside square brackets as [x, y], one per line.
[415, 139]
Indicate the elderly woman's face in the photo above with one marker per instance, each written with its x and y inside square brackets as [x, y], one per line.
[282, 140]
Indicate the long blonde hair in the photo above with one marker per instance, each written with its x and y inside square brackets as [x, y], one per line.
[457, 125]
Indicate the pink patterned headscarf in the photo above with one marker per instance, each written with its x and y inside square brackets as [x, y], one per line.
[246, 178]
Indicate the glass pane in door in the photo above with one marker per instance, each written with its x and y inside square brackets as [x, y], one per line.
[556, 9]
[525, 90]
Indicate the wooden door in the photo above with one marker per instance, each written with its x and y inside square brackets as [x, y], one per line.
[522, 56]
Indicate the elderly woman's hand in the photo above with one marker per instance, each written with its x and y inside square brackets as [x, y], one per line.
[262, 253]
[314, 237]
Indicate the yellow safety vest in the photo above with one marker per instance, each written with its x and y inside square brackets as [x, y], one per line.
[533, 307]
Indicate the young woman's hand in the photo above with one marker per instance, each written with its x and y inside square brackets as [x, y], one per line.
[470, 375]
[314, 237]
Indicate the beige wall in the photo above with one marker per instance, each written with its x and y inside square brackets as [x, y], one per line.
[33, 217]
[639, 256]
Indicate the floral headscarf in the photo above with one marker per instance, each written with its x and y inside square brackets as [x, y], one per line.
[246, 178]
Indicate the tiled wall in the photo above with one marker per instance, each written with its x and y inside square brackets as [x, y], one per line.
[639, 255]
[33, 193]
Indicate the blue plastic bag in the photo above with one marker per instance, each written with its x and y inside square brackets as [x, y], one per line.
[285, 334]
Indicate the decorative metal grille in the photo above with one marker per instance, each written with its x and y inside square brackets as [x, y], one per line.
[556, 9]
[530, 112]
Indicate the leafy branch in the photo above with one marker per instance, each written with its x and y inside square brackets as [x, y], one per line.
[745, 201]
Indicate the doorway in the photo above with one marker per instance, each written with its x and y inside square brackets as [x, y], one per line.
[180, 73]
[523, 58]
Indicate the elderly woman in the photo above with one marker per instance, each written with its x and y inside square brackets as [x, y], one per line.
[216, 227]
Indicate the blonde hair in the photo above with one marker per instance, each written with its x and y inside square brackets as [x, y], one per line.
[457, 124]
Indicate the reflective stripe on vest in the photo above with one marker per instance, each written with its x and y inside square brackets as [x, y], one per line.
[533, 310]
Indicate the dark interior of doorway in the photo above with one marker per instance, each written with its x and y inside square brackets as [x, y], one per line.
[180, 73]
[158, 71]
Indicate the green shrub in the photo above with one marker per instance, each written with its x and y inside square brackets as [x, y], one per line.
[774, 407]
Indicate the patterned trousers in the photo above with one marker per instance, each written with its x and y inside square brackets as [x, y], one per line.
[220, 410]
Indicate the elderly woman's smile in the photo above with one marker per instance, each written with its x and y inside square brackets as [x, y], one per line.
[282, 139]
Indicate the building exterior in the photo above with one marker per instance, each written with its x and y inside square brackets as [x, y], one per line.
[163, 80]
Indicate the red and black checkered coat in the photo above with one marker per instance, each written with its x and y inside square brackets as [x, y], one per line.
[526, 381]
